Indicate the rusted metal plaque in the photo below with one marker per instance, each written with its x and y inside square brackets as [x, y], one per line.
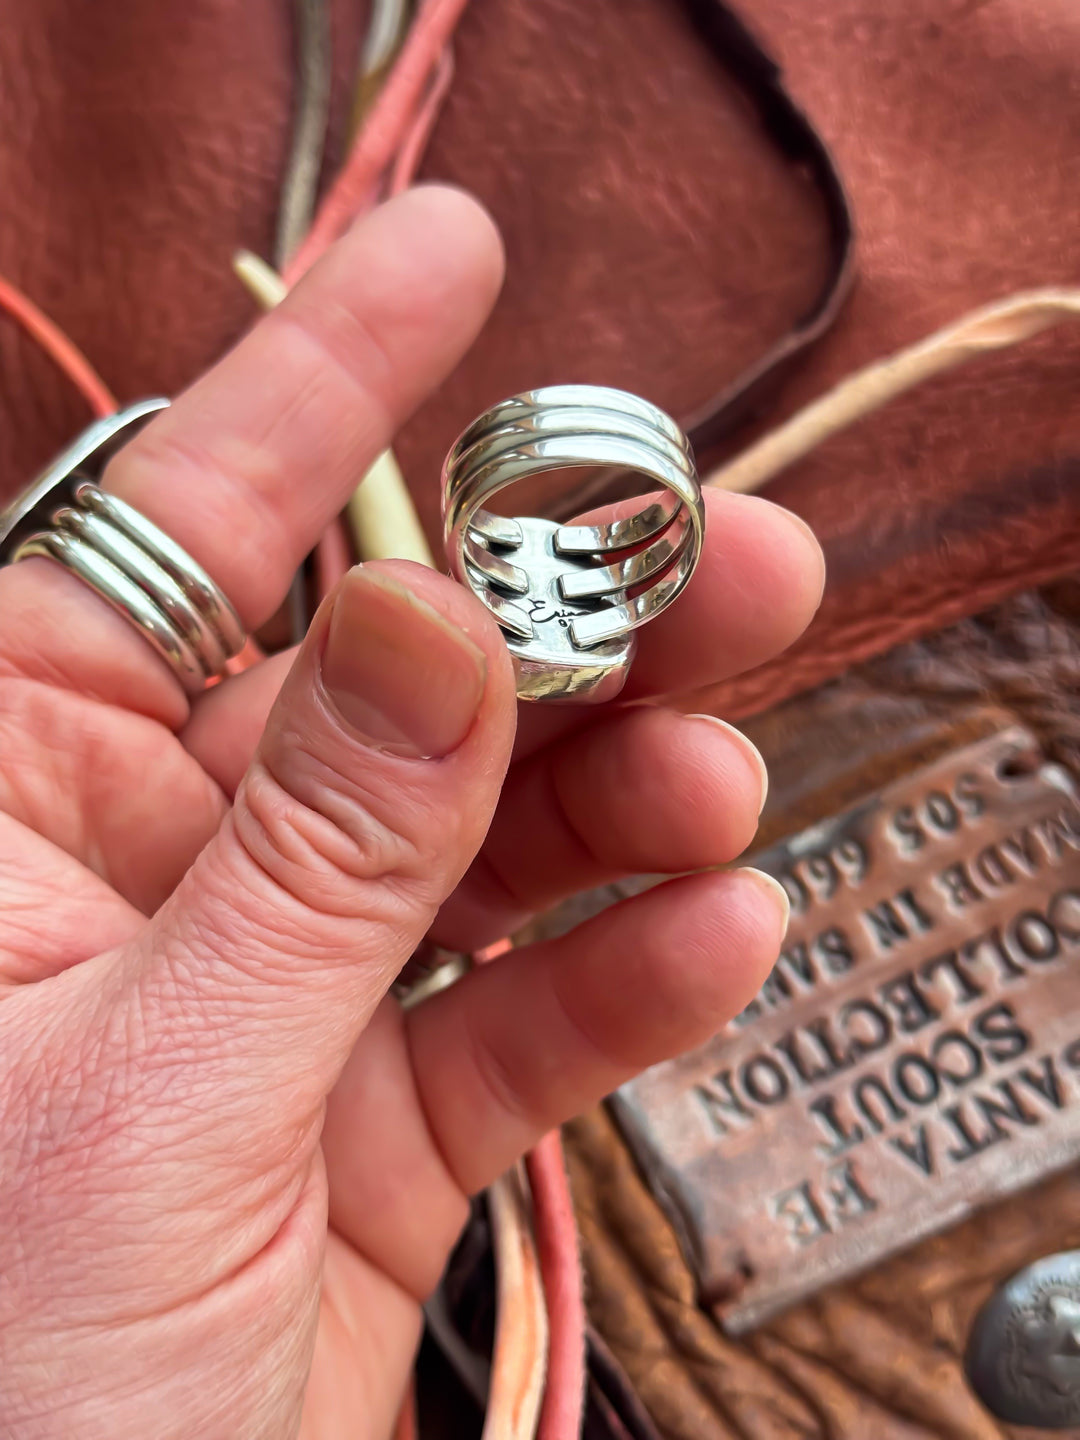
[915, 1052]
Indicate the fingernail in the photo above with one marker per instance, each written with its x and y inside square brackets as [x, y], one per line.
[400, 674]
[746, 747]
[775, 891]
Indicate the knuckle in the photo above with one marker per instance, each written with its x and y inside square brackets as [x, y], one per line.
[317, 841]
[500, 1075]
[346, 346]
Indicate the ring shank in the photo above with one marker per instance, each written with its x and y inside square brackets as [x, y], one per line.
[558, 428]
[126, 560]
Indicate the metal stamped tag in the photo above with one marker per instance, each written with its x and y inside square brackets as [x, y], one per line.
[914, 1054]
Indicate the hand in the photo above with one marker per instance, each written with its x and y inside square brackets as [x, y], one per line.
[232, 1167]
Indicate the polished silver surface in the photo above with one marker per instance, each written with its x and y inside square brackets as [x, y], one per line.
[127, 561]
[569, 597]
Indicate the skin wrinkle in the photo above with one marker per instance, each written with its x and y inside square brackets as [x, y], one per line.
[100, 1084]
[310, 1030]
[346, 782]
[457, 1201]
[192, 979]
[582, 1038]
[198, 1057]
[484, 874]
[55, 785]
[292, 838]
[695, 789]
[495, 1073]
[254, 459]
[25, 708]
[69, 1072]
[711, 934]
[457, 1196]
[126, 1107]
[48, 599]
[286, 842]
[213, 928]
[579, 1029]
[35, 872]
[570, 833]
[372, 1352]
[293, 1248]
[341, 352]
[431, 1130]
[565, 795]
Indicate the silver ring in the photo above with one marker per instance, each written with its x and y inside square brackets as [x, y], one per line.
[131, 564]
[569, 597]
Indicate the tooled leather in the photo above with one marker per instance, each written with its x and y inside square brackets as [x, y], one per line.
[876, 1359]
[879, 1358]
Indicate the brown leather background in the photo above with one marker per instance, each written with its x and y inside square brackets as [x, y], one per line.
[656, 237]
[879, 1358]
[140, 145]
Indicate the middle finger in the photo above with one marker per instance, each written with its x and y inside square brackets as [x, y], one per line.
[756, 588]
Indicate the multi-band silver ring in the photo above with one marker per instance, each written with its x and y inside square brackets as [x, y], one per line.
[569, 597]
[146, 577]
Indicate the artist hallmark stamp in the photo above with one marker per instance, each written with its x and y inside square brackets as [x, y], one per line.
[915, 1052]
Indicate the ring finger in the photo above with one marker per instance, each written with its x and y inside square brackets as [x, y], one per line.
[645, 791]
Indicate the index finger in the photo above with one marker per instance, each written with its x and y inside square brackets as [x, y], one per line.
[250, 464]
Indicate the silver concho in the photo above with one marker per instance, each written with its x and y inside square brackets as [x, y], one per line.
[1023, 1356]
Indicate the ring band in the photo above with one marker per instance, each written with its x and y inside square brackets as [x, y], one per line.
[568, 597]
[131, 564]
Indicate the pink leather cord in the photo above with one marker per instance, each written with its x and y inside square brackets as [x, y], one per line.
[385, 131]
[385, 156]
[560, 1266]
[560, 1269]
[61, 350]
[411, 154]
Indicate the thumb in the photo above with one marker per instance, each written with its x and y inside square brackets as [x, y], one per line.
[166, 1098]
[370, 793]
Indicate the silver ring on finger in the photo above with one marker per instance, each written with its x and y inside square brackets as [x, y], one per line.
[65, 516]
